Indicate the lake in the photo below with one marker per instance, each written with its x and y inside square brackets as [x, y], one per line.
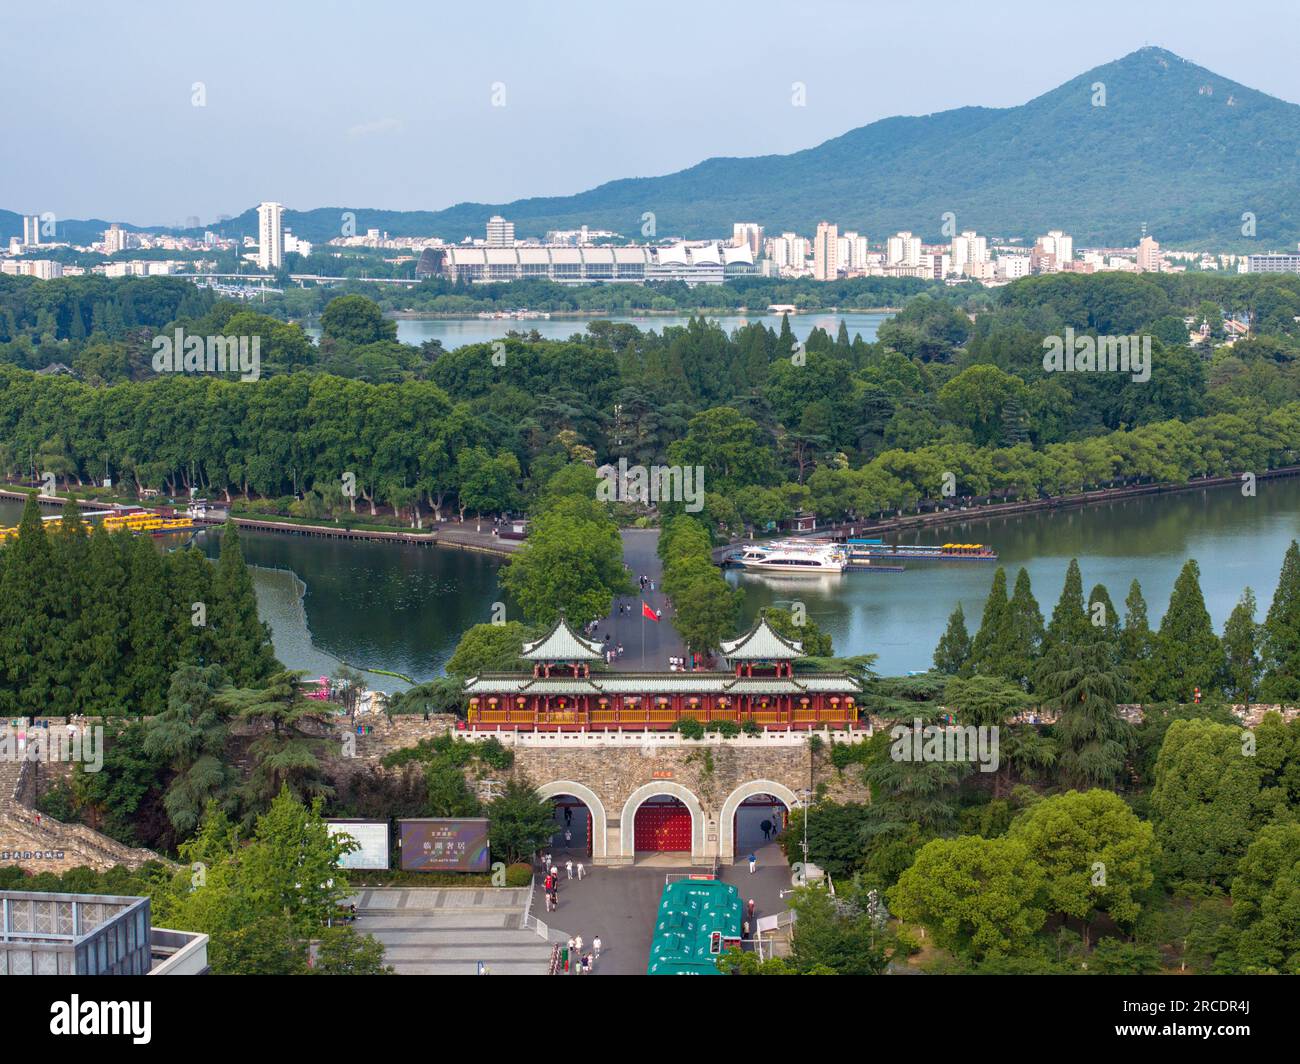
[457, 332]
[404, 608]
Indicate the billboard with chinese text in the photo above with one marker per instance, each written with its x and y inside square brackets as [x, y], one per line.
[444, 844]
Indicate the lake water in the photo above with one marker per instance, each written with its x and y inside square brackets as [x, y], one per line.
[457, 332]
[404, 608]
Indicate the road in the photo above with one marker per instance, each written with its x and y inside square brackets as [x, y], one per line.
[620, 903]
[661, 640]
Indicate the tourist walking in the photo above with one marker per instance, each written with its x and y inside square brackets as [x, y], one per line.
[766, 825]
[595, 947]
[751, 908]
[580, 871]
[568, 867]
[753, 863]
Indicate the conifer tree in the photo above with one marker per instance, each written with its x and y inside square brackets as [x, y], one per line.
[70, 554]
[1104, 619]
[1137, 643]
[240, 642]
[785, 341]
[151, 656]
[29, 612]
[1025, 620]
[1240, 645]
[954, 649]
[190, 577]
[1280, 638]
[991, 647]
[103, 639]
[1188, 654]
[1069, 624]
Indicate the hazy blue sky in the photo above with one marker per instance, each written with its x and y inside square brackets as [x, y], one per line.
[389, 104]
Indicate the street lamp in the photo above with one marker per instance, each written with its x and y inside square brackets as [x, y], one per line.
[806, 795]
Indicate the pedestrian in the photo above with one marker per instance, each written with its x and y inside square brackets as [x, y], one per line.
[568, 814]
[568, 838]
[566, 953]
[766, 825]
[577, 943]
[595, 947]
[580, 871]
[753, 863]
[555, 872]
[751, 908]
[568, 867]
[744, 929]
[586, 964]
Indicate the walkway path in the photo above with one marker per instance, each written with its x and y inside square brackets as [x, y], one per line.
[640, 555]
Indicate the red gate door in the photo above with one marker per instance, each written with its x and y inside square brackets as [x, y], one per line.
[663, 826]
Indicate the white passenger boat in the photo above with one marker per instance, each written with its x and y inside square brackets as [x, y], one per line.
[797, 558]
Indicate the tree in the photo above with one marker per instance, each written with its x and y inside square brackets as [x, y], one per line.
[954, 649]
[1280, 639]
[1025, 624]
[521, 822]
[991, 702]
[342, 951]
[1264, 902]
[1240, 646]
[1095, 854]
[240, 641]
[1188, 654]
[1137, 643]
[827, 941]
[975, 896]
[1082, 684]
[1203, 801]
[707, 611]
[1104, 619]
[491, 648]
[356, 320]
[31, 635]
[991, 650]
[1069, 624]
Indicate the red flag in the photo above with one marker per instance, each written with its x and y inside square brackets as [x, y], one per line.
[646, 611]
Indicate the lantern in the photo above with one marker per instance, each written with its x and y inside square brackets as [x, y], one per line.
[519, 702]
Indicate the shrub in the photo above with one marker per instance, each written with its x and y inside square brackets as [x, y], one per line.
[518, 875]
[690, 728]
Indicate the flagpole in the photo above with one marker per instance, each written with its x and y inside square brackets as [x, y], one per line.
[643, 635]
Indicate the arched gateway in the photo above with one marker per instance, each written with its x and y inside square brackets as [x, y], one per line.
[607, 739]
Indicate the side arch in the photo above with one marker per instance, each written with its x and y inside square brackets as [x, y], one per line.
[727, 819]
[593, 804]
[627, 822]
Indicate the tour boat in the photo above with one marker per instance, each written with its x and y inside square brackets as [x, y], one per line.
[797, 558]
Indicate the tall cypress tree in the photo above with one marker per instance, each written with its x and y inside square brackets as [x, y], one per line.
[240, 642]
[1241, 648]
[149, 628]
[1025, 621]
[990, 650]
[190, 576]
[1188, 654]
[1104, 619]
[100, 687]
[29, 612]
[1137, 643]
[953, 652]
[1069, 625]
[70, 553]
[1281, 635]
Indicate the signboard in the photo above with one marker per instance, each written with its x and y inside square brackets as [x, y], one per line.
[662, 774]
[444, 844]
[373, 837]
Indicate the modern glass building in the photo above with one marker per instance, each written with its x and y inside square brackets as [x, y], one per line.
[73, 934]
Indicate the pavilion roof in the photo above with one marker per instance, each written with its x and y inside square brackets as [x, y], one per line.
[562, 643]
[762, 643]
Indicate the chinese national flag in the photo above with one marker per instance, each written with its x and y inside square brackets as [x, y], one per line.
[646, 611]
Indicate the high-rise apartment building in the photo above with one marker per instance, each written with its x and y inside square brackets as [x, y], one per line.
[1059, 245]
[1149, 259]
[852, 253]
[31, 229]
[826, 252]
[500, 233]
[270, 236]
[968, 250]
[903, 249]
[114, 239]
[750, 233]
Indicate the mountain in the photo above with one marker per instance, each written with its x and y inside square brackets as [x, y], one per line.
[1175, 146]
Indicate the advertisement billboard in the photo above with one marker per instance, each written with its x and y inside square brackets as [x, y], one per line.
[373, 838]
[441, 844]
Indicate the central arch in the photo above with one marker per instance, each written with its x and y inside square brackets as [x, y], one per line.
[727, 819]
[595, 806]
[627, 822]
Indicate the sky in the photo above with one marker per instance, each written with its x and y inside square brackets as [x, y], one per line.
[156, 112]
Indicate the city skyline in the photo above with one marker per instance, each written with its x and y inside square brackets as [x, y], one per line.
[380, 140]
